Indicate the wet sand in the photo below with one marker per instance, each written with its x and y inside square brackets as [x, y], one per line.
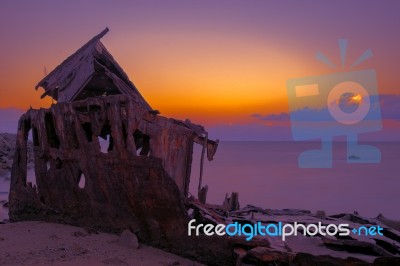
[40, 243]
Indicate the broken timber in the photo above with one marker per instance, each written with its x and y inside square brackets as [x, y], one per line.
[66, 140]
[139, 182]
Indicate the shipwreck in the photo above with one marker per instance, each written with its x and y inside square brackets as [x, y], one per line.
[139, 182]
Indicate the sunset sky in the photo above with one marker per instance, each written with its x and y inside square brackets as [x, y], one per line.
[215, 62]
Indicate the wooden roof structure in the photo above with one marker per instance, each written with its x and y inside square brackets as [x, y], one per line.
[91, 71]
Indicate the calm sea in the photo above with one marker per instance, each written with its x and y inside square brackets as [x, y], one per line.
[266, 174]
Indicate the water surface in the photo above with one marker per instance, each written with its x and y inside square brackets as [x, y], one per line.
[267, 174]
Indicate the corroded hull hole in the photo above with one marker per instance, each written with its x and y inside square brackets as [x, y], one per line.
[142, 143]
[52, 137]
[81, 180]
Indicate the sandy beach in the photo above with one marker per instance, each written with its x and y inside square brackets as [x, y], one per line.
[40, 243]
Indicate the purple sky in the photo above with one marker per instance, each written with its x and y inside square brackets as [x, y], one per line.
[215, 62]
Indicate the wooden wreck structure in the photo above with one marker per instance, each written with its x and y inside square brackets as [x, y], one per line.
[139, 182]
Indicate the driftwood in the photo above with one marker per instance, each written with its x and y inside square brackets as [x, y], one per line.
[231, 203]
[302, 250]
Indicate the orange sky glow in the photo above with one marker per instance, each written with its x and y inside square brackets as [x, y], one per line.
[221, 69]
